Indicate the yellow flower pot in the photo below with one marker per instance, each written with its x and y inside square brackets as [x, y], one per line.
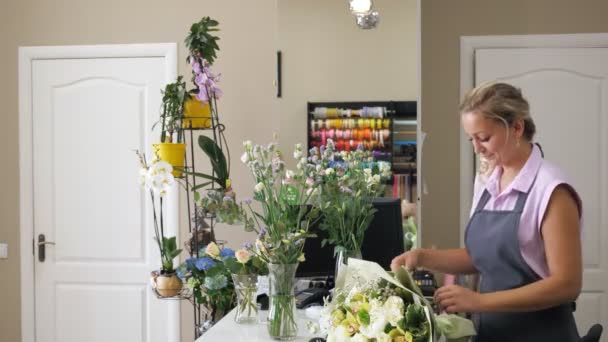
[173, 154]
[197, 114]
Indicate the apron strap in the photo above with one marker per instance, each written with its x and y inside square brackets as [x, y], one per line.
[485, 197]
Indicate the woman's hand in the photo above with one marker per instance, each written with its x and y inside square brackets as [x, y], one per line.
[454, 298]
[411, 260]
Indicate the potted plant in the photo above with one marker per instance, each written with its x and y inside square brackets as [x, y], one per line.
[202, 47]
[172, 148]
[157, 178]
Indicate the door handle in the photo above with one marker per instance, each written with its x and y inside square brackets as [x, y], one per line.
[42, 247]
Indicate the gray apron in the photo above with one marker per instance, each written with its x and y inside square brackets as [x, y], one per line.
[492, 242]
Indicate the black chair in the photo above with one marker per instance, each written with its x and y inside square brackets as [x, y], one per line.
[594, 334]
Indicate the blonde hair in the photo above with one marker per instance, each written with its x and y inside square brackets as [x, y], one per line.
[501, 102]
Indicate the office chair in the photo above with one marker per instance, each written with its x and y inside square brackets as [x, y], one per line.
[594, 334]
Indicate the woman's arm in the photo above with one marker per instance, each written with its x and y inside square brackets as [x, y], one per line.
[561, 234]
[452, 261]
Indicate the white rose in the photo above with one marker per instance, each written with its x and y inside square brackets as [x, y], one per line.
[259, 187]
[242, 256]
[393, 309]
[212, 250]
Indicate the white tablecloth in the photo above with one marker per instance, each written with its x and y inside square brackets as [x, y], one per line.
[228, 330]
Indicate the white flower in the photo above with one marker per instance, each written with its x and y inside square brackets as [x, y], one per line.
[393, 309]
[143, 176]
[242, 256]
[310, 181]
[367, 172]
[259, 187]
[359, 338]
[339, 334]
[329, 171]
[377, 320]
[247, 145]
[212, 250]
[245, 158]
[301, 258]
[297, 153]
[383, 337]
[289, 174]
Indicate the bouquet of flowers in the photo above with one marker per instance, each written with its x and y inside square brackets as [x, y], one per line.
[348, 182]
[209, 277]
[282, 224]
[370, 304]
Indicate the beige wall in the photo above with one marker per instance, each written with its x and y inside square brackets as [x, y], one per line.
[246, 61]
[326, 57]
[443, 23]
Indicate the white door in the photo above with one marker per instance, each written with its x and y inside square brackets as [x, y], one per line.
[87, 117]
[568, 91]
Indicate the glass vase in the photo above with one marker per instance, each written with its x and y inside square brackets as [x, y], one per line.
[246, 288]
[342, 259]
[282, 311]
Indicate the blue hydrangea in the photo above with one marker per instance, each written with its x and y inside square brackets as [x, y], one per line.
[204, 263]
[217, 282]
[190, 263]
[227, 253]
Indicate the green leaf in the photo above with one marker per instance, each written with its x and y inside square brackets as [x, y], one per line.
[217, 158]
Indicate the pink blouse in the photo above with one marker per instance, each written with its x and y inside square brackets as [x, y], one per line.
[540, 177]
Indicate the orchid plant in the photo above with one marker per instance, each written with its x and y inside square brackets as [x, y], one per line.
[157, 178]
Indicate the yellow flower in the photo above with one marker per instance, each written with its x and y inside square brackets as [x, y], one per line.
[301, 258]
[212, 250]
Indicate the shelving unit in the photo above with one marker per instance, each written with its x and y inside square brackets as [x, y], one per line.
[394, 140]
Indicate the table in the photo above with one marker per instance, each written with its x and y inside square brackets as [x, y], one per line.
[228, 330]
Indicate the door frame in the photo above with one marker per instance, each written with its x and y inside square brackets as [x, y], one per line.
[27, 55]
[468, 45]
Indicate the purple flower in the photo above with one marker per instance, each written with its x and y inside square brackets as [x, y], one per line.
[262, 232]
[247, 200]
[247, 245]
[346, 189]
[227, 253]
[204, 263]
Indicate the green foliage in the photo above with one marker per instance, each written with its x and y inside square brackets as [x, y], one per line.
[218, 162]
[168, 252]
[200, 42]
[172, 110]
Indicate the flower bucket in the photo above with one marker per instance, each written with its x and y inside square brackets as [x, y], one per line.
[197, 114]
[173, 154]
[166, 285]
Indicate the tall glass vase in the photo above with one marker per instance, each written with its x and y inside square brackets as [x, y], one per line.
[246, 287]
[342, 259]
[282, 311]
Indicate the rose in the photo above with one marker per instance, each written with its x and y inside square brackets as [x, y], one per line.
[242, 256]
[212, 250]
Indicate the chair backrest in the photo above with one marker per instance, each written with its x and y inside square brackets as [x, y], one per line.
[594, 334]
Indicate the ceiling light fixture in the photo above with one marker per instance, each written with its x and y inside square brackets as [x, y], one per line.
[365, 17]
